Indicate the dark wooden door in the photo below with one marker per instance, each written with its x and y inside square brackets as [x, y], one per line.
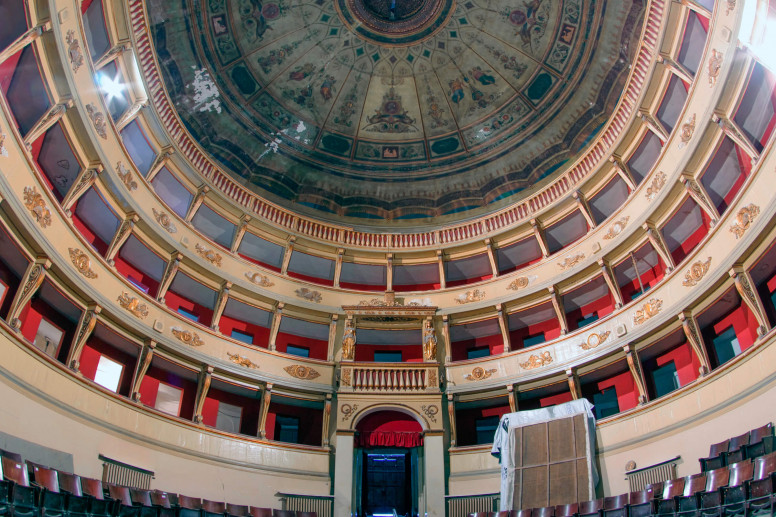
[386, 482]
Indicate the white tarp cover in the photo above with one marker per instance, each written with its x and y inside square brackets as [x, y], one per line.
[504, 441]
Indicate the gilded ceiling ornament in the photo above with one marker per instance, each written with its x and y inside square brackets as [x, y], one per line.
[430, 412]
[346, 376]
[302, 372]
[74, 51]
[259, 279]
[98, 120]
[617, 227]
[164, 220]
[593, 340]
[37, 207]
[479, 374]
[537, 361]
[744, 219]
[347, 411]
[242, 361]
[82, 262]
[187, 337]
[519, 283]
[570, 262]
[125, 175]
[715, 64]
[133, 305]
[658, 182]
[3, 149]
[696, 272]
[309, 295]
[688, 129]
[474, 295]
[647, 311]
[208, 254]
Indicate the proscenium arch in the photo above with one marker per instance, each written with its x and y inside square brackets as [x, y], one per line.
[400, 408]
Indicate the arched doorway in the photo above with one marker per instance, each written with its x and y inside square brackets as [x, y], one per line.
[388, 464]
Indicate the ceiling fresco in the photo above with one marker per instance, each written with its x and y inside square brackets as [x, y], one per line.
[394, 109]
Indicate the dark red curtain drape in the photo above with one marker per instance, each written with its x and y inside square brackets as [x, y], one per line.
[389, 439]
[389, 429]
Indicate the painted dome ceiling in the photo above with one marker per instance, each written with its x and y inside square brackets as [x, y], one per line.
[394, 109]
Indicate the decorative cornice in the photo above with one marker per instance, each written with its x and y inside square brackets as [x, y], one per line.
[82, 262]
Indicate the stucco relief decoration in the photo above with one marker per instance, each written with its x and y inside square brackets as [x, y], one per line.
[133, 305]
[715, 64]
[658, 182]
[3, 149]
[696, 272]
[572, 261]
[82, 262]
[346, 376]
[187, 337]
[537, 361]
[242, 361]
[744, 219]
[479, 373]
[208, 254]
[309, 295]
[125, 175]
[37, 207]
[259, 279]
[74, 51]
[164, 221]
[593, 340]
[688, 129]
[98, 120]
[432, 379]
[430, 411]
[379, 302]
[647, 311]
[474, 295]
[302, 372]
[617, 227]
[521, 282]
[347, 411]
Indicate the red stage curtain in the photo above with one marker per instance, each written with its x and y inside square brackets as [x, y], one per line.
[389, 429]
[390, 439]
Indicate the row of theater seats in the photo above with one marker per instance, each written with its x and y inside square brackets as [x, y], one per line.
[31, 490]
[746, 488]
[754, 443]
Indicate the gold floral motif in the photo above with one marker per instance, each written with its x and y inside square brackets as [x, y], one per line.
[309, 295]
[187, 337]
[479, 374]
[74, 51]
[37, 207]
[125, 175]
[617, 227]
[537, 361]
[570, 262]
[259, 279]
[98, 120]
[593, 340]
[208, 254]
[715, 64]
[430, 411]
[519, 283]
[688, 129]
[302, 372]
[696, 272]
[647, 311]
[346, 377]
[133, 305]
[744, 219]
[242, 361]
[347, 411]
[82, 262]
[164, 220]
[474, 295]
[658, 182]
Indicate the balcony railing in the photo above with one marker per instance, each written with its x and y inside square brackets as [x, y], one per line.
[389, 377]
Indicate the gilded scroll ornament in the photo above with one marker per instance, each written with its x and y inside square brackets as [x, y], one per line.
[519, 283]
[74, 52]
[593, 340]
[658, 182]
[309, 295]
[133, 305]
[347, 411]
[479, 374]
[744, 219]
[696, 272]
[430, 411]
[82, 262]
[715, 64]
[242, 361]
[688, 129]
[537, 361]
[572, 261]
[617, 227]
[474, 295]
[302, 372]
[125, 175]
[259, 279]
[98, 120]
[187, 337]
[37, 207]
[164, 221]
[208, 254]
[647, 311]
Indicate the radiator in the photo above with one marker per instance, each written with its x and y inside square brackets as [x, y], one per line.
[639, 479]
[462, 506]
[321, 505]
[118, 473]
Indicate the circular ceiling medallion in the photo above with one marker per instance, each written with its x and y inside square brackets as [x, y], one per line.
[395, 22]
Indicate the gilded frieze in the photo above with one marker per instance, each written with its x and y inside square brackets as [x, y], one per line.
[572, 261]
[688, 129]
[537, 361]
[744, 219]
[430, 411]
[595, 339]
[658, 182]
[125, 175]
[242, 361]
[479, 374]
[82, 262]
[647, 311]
[715, 65]
[617, 227]
[164, 220]
[474, 295]
[259, 279]
[347, 411]
[133, 305]
[187, 337]
[37, 206]
[208, 254]
[696, 272]
[302, 372]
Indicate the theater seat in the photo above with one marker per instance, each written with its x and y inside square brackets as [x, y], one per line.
[734, 495]
[283, 513]
[142, 499]
[76, 504]
[213, 508]
[616, 505]
[189, 506]
[711, 498]
[163, 502]
[762, 489]
[761, 441]
[566, 510]
[689, 502]
[98, 505]
[736, 447]
[591, 508]
[546, 511]
[641, 504]
[52, 501]
[260, 512]
[236, 510]
[672, 489]
[716, 458]
[122, 501]
[20, 497]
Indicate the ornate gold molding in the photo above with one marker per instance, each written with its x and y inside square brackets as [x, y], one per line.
[647, 311]
[125, 175]
[164, 220]
[715, 64]
[242, 361]
[572, 261]
[208, 254]
[658, 182]
[537, 361]
[309, 295]
[744, 219]
[74, 52]
[302, 372]
[474, 295]
[187, 337]
[82, 262]
[593, 340]
[34, 202]
[98, 120]
[133, 305]
[696, 272]
[617, 227]
[259, 279]
[479, 374]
